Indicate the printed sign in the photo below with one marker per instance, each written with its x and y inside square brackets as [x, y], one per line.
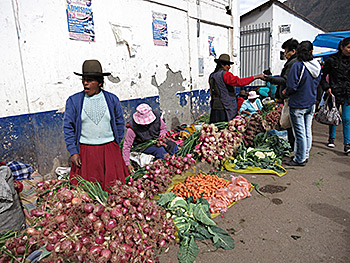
[80, 20]
[211, 47]
[285, 29]
[160, 29]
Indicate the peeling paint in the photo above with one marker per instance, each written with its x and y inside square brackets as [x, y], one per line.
[113, 79]
[169, 102]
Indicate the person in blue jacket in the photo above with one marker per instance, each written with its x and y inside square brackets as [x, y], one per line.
[93, 127]
[251, 105]
[302, 82]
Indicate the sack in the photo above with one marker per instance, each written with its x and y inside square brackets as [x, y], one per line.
[328, 116]
[285, 120]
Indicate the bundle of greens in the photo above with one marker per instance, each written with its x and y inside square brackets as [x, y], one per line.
[280, 146]
[263, 157]
[193, 223]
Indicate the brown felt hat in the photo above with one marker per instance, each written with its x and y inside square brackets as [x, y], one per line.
[224, 59]
[92, 68]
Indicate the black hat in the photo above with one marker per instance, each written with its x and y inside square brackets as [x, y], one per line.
[92, 68]
[224, 59]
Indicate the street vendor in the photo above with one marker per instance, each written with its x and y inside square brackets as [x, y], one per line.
[93, 128]
[251, 105]
[146, 125]
[222, 90]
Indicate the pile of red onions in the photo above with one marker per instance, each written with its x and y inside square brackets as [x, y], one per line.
[75, 228]
[272, 118]
[159, 173]
[215, 145]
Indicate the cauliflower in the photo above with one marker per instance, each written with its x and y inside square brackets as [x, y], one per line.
[260, 155]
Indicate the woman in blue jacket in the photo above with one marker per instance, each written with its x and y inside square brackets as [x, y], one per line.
[93, 128]
[302, 82]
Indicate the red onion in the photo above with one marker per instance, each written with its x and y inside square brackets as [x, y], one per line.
[95, 250]
[162, 243]
[50, 247]
[105, 216]
[32, 231]
[92, 217]
[124, 210]
[86, 197]
[88, 208]
[60, 219]
[78, 246]
[106, 254]
[99, 209]
[20, 250]
[85, 240]
[53, 237]
[111, 224]
[100, 239]
[40, 184]
[37, 212]
[67, 245]
[116, 213]
[98, 225]
[127, 248]
[113, 246]
[76, 201]
[65, 196]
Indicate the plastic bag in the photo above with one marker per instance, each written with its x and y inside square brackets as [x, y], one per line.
[285, 120]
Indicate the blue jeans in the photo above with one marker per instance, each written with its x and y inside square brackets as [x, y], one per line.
[301, 120]
[345, 121]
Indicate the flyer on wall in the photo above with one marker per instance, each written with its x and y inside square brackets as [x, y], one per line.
[160, 29]
[80, 20]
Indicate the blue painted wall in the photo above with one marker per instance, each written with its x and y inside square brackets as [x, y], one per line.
[37, 139]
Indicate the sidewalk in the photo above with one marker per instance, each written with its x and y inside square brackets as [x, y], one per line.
[307, 221]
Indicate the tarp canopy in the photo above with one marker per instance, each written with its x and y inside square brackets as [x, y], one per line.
[331, 39]
[325, 54]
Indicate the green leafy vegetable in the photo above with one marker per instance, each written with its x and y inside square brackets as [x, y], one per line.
[188, 250]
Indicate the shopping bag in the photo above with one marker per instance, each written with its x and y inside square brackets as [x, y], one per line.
[285, 120]
[328, 116]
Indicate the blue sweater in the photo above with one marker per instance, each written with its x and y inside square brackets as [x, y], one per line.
[302, 94]
[72, 119]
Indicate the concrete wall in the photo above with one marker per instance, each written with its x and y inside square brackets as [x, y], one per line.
[277, 16]
[39, 60]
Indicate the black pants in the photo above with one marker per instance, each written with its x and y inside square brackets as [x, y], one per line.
[217, 116]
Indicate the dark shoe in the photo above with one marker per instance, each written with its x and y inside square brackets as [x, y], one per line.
[292, 163]
[331, 143]
[347, 148]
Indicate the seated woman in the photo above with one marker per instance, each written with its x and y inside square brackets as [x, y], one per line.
[146, 125]
[251, 105]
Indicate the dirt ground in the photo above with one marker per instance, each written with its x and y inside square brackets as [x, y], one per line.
[303, 217]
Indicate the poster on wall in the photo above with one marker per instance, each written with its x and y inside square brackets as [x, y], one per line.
[160, 29]
[211, 47]
[80, 20]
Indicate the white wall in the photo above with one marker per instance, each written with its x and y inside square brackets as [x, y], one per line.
[300, 30]
[37, 75]
[277, 16]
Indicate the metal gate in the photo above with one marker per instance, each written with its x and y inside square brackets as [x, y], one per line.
[255, 50]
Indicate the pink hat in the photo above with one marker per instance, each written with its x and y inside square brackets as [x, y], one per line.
[252, 95]
[144, 114]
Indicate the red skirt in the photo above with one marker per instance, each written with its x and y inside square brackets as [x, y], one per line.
[100, 163]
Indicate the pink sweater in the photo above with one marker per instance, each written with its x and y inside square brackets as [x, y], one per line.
[130, 137]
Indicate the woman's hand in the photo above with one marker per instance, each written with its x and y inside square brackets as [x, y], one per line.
[75, 158]
[260, 76]
[329, 92]
[130, 169]
[246, 112]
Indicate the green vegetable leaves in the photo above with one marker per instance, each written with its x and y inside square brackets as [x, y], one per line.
[221, 238]
[188, 250]
[165, 199]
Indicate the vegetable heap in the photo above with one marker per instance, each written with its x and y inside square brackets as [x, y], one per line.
[215, 146]
[84, 223]
[193, 223]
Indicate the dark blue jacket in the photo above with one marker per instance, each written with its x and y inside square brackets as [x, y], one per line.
[72, 119]
[302, 91]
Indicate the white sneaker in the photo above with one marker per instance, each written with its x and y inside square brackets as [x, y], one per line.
[331, 143]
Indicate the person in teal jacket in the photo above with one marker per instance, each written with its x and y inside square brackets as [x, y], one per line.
[270, 89]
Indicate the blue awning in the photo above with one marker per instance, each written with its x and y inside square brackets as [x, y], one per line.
[331, 39]
[325, 54]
